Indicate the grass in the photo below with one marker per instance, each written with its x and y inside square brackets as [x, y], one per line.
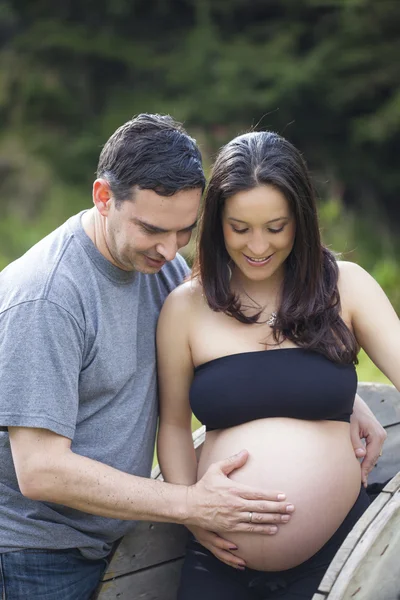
[367, 371]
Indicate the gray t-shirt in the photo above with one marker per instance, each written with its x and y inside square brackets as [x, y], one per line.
[77, 357]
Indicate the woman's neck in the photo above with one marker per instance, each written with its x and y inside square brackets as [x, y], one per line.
[256, 296]
[267, 288]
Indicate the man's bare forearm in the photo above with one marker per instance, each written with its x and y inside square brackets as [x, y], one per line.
[98, 489]
[49, 471]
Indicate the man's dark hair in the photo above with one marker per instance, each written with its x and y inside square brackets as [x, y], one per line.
[151, 152]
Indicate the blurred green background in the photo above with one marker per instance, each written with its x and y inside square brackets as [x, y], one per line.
[324, 73]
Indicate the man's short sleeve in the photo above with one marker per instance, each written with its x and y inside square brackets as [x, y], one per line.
[41, 348]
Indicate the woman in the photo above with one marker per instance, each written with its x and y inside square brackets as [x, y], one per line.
[263, 341]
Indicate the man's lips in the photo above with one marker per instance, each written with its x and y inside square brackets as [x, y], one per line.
[155, 262]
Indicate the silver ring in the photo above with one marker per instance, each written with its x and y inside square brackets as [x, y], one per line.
[250, 517]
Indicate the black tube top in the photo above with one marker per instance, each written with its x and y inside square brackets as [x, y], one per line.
[291, 382]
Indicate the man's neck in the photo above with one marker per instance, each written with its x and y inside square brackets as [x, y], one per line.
[93, 227]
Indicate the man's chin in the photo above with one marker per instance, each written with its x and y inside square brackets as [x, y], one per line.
[144, 267]
[148, 271]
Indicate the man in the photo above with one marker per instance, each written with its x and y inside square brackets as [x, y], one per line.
[78, 376]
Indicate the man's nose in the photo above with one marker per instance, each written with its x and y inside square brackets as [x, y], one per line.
[169, 247]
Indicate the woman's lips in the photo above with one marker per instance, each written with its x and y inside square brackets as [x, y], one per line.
[256, 262]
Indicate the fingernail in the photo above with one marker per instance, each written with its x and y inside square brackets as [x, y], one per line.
[233, 548]
[285, 518]
[290, 508]
[241, 568]
[281, 496]
[273, 529]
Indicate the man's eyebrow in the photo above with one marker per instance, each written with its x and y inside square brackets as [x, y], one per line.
[267, 223]
[155, 229]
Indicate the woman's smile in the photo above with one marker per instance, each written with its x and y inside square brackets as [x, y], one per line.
[258, 262]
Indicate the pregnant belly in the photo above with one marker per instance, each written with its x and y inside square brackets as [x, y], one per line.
[312, 462]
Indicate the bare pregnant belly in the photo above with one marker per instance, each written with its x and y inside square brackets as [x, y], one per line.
[312, 462]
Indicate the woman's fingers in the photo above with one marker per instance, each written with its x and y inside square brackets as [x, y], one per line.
[222, 549]
[228, 558]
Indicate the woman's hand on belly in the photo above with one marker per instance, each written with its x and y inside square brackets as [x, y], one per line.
[220, 547]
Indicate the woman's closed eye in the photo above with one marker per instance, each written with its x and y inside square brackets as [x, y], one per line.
[239, 230]
[247, 229]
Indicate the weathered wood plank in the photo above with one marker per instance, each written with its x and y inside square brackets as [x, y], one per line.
[394, 484]
[359, 530]
[383, 400]
[389, 463]
[159, 583]
[350, 542]
[149, 544]
[372, 570]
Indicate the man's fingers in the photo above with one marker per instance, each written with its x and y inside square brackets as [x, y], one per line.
[256, 506]
[256, 528]
[249, 493]
[265, 518]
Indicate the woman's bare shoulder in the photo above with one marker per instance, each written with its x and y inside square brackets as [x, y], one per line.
[351, 274]
[186, 297]
[353, 281]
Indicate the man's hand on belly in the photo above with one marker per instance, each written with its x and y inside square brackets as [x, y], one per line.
[216, 502]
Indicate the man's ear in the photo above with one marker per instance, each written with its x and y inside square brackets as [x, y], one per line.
[102, 196]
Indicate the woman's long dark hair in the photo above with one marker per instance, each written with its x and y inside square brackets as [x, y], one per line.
[309, 314]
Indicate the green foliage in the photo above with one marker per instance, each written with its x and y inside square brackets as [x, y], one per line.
[367, 371]
[365, 241]
[322, 72]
